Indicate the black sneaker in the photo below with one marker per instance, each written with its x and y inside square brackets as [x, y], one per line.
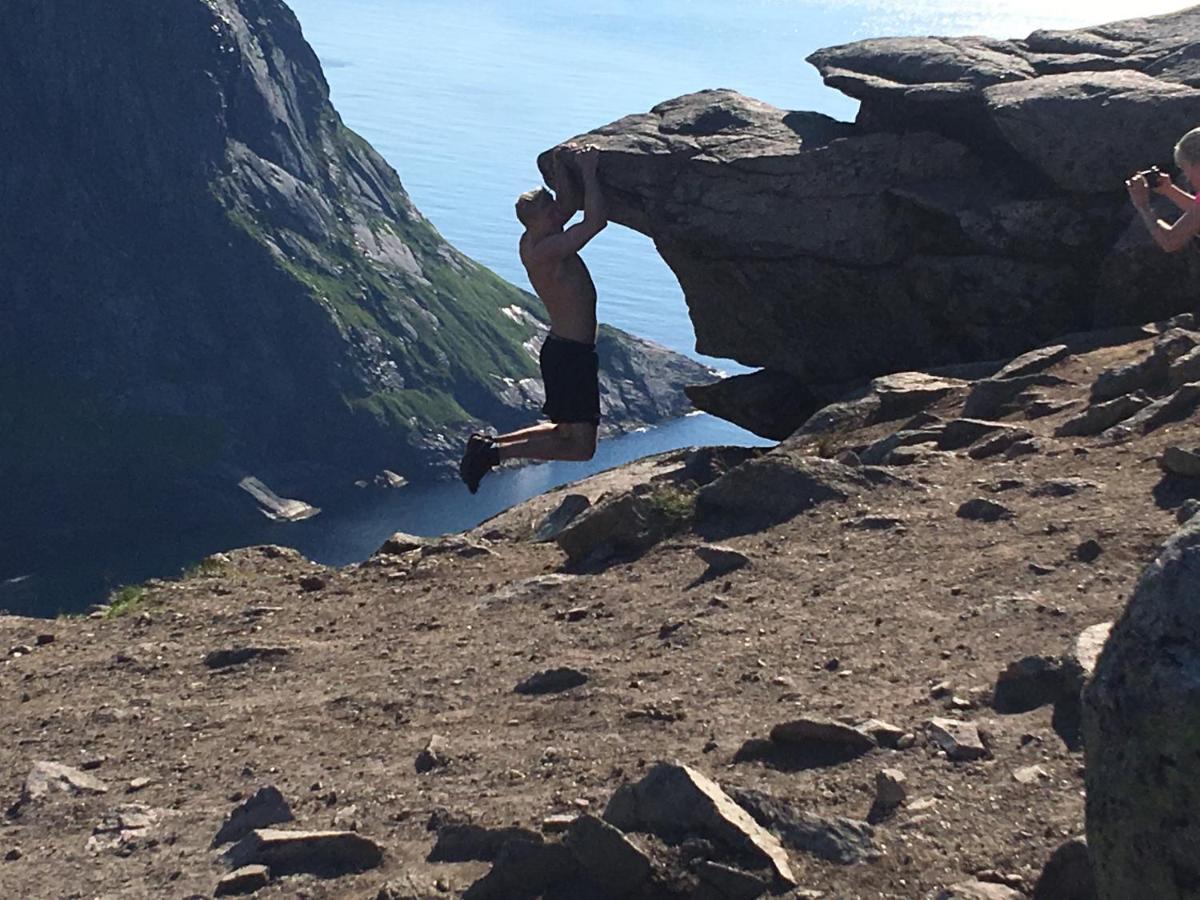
[480, 457]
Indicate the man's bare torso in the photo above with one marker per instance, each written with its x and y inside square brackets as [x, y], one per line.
[565, 287]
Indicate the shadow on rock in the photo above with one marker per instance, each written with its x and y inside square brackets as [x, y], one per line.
[1172, 491]
[793, 757]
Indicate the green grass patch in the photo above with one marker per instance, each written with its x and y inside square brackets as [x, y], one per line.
[126, 600]
[676, 505]
[206, 568]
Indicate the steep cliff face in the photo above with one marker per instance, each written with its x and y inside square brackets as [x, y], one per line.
[975, 208]
[205, 270]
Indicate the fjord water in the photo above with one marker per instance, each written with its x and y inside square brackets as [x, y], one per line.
[460, 96]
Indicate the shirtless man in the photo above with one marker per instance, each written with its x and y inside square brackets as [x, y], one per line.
[568, 358]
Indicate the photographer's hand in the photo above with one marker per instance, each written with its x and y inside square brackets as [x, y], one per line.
[1139, 192]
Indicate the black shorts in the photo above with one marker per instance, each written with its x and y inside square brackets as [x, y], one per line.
[571, 375]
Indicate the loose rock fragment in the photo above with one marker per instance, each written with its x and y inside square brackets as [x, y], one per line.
[400, 543]
[982, 510]
[613, 860]
[46, 777]
[571, 506]
[322, 853]
[558, 823]
[957, 434]
[245, 880]
[1034, 361]
[266, 807]
[1187, 510]
[1030, 775]
[674, 801]
[960, 740]
[1102, 416]
[1088, 646]
[721, 560]
[1029, 683]
[411, 887]
[435, 755]
[890, 787]
[822, 732]
[884, 733]
[1181, 462]
[124, 828]
[463, 842]
[999, 443]
[980, 890]
[835, 838]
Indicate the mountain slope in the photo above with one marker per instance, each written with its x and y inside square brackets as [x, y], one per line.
[206, 273]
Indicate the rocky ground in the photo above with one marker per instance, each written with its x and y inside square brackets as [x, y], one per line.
[381, 699]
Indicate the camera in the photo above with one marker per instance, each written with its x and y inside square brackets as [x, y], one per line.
[1154, 176]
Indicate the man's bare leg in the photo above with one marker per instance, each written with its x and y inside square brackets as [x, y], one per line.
[569, 442]
[522, 434]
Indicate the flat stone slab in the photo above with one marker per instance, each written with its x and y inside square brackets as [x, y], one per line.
[46, 777]
[810, 731]
[961, 741]
[322, 853]
[1034, 361]
[245, 880]
[1101, 416]
[979, 890]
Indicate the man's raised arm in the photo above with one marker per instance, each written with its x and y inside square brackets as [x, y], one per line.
[595, 213]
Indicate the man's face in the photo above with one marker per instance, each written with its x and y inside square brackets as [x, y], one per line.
[542, 213]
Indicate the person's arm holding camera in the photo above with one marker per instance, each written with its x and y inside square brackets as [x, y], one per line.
[1170, 237]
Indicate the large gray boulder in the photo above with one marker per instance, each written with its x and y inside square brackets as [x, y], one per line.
[1141, 728]
[975, 208]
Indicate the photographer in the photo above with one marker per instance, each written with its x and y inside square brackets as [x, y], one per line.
[1171, 237]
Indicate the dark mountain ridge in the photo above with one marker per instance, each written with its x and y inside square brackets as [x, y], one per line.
[206, 274]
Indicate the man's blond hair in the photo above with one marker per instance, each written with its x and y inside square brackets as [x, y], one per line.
[532, 200]
[1188, 148]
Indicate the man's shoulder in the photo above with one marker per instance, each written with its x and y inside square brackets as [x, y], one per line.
[543, 250]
